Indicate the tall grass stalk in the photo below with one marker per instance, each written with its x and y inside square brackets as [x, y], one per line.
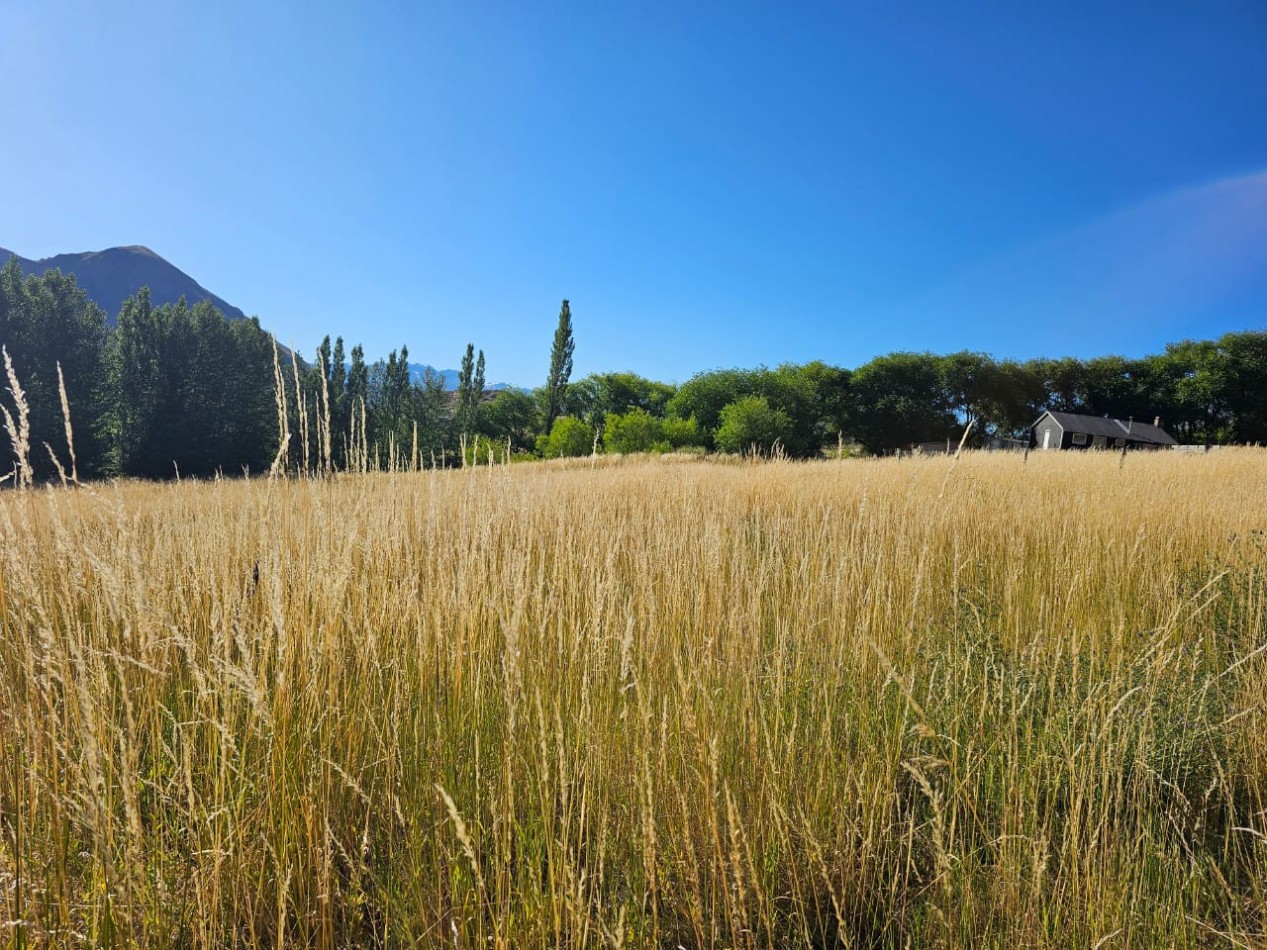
[327, 460]
[70, 432]
[301, 409]
[19, 431]
[280, 461]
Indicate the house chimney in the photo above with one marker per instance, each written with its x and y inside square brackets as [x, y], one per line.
[1157, 422]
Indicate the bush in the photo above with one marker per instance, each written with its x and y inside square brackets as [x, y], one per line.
[749, 424]
[568, 438]
[681, 433]
[481, 450]
[635, 431]
[512, 414]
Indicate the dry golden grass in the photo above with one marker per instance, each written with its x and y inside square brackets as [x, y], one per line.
[650, 703]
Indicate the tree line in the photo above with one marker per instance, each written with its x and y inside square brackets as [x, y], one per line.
[178, 389]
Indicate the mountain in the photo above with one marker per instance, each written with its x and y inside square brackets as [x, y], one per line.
[111, 276]
[417, 371]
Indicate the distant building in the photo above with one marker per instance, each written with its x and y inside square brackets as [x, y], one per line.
[1067, 430]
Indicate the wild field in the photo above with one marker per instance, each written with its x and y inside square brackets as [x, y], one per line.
[891, 703]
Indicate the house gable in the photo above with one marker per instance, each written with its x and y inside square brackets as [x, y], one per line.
[1048, 432]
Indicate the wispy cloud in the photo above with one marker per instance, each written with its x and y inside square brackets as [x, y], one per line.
[1168, 261]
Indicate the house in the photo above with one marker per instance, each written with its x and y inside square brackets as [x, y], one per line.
[1068, 430]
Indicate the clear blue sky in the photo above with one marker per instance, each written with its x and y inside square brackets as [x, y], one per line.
[710, 184]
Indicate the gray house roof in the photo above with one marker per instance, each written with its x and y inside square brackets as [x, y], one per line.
[1111, 428]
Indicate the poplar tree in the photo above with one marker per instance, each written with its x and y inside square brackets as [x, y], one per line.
[466, 399]
[358, 389]
[560, 366]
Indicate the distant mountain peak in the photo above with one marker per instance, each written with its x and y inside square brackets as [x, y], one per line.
[112, 275]
[139, 250]
[418, 372]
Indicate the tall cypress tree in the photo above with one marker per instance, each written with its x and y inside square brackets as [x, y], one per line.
[466, 399]
[137, 369]
[466, 372]
[324, 358]
[560, 366]
[338, 377]
[358, 389]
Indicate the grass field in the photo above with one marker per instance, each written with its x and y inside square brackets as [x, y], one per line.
[891, 703]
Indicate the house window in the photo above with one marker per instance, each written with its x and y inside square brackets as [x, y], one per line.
[1079, 438]
[1119, 443]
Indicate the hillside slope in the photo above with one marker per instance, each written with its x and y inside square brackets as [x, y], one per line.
[111, 276]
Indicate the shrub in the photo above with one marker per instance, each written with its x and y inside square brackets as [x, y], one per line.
[681, 433]
[635, 431]
[749, 424]
[568, 438]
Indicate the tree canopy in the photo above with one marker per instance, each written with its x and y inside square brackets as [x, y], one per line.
[181, 389]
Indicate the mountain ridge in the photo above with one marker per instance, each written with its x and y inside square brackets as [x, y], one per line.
[112, 275]
[418, 371]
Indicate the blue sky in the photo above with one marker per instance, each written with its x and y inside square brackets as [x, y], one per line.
[711, 185]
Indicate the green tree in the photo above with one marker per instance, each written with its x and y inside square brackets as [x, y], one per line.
[967, 377]
[428, 409]
[634, 431]
[138, 379]
[681, 433]
[356, 400]
[1243, 384]
[1061, 381]
[569, 437]
[750, 424]
[470, 391]
[560, 366]
[1108, 388]
[335, 364]
[324, 360]
[831, 399]
[392, 407]
[1000, 398]
[46, 321]
[599, 394]
[510, 415]
[250, 436]
[793, 390]
[1013, 400]
[804, 394]
[338, 387]
[464, 410]
[901, 399]
[704, 395]
[194, 391]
